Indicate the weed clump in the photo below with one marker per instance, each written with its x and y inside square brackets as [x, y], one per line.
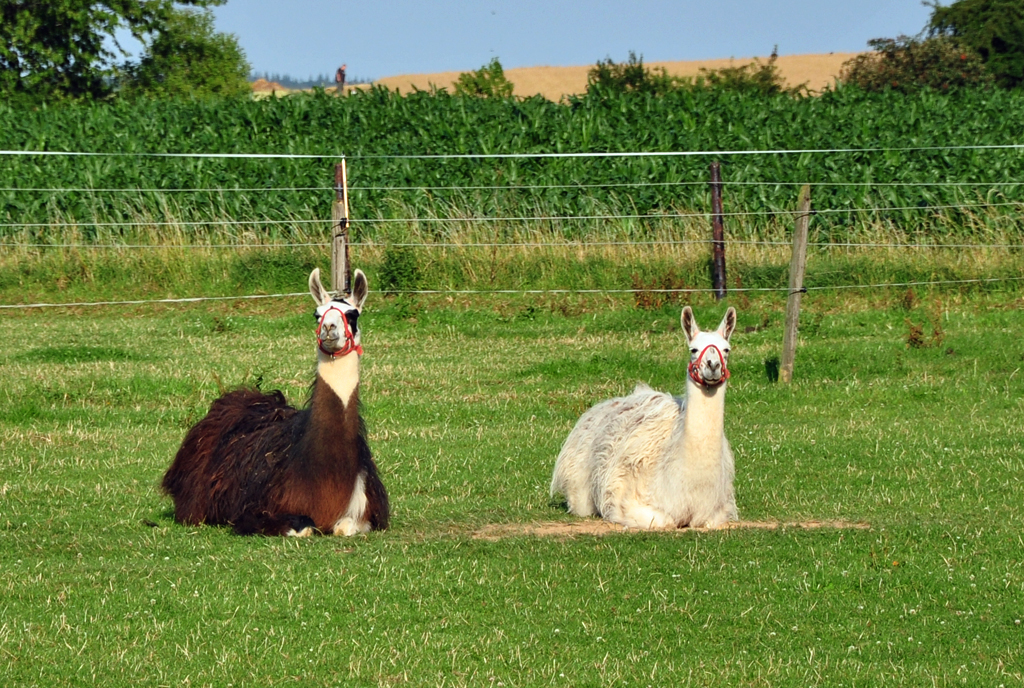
[915, 335]
[916, 332]
[652, 295]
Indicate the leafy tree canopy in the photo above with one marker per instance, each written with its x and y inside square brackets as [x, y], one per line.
[61, 48]
[487, 82]
[992, 28]
[187, 57]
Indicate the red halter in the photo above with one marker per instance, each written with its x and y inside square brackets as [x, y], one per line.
[350, 343]
[694, 368]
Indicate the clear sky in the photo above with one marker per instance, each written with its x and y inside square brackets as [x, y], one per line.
[390, 37]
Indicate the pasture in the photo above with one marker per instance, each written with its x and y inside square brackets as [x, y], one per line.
[467, 403]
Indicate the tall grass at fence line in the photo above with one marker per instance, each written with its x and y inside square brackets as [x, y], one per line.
[970, 216]
[452, 251]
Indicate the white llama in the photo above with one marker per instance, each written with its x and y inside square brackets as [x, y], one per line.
[652, 460]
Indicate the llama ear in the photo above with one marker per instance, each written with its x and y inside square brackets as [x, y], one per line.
[690, 328]
[728, 324]
[359, 289]
[316, 288]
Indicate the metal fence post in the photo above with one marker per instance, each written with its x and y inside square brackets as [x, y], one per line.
[717, 234]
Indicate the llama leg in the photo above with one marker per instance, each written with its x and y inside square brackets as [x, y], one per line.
[572, 479]
[718, 519]
[575, 467]
[641, 517]
[350, 526]
[580, 500]
[354, 521]
[303, 530]
[292, 525]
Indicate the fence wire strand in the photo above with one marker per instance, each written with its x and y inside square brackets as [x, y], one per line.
[507, 244]
[338, 156]
[498, 187]
[466, 292]
[524, 218]
[824, 245]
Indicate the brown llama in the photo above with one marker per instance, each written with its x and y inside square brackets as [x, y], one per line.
[261, 466]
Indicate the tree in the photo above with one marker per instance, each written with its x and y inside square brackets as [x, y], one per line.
[186, 57]
[908, 64]
[57, 48]
[488, 82]
[992, 28]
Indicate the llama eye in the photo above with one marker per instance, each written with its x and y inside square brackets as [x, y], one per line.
[693, 351]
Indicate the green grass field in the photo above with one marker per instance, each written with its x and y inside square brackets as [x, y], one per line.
[467, 404]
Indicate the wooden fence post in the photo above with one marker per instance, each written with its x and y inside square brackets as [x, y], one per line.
[717, 234]
[340, 274]
[797, 264]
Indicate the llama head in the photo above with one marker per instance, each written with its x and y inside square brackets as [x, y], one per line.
[337, 331]
[709, 351]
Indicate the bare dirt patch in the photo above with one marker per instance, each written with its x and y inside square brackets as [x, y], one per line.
[569, 529]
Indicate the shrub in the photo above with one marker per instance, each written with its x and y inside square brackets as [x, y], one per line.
[628, 77]
[487, 82]
[633, 77]
[754, 77]
[907, 64]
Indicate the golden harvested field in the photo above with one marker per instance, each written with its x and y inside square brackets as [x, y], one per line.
[817, 71]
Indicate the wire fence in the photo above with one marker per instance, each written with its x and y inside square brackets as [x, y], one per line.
[510, 218]
[520, 244]
[336, 155]
[1009, 211]
[503, 187]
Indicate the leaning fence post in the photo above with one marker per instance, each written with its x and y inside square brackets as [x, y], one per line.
[340, 274]
[797, 264]
[717, 234]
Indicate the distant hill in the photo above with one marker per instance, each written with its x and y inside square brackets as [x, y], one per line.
[818, 71]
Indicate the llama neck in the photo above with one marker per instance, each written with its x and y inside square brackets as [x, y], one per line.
[704, 423]
[341, 375]
[334, 423]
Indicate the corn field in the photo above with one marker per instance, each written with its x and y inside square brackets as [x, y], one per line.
[910, 191]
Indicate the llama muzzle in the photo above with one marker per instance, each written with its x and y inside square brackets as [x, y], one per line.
[329, 336]
[709, 367]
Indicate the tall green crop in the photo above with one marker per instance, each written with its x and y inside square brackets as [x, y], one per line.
[379, 123]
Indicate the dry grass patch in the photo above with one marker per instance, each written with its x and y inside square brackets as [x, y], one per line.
[591, 526]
